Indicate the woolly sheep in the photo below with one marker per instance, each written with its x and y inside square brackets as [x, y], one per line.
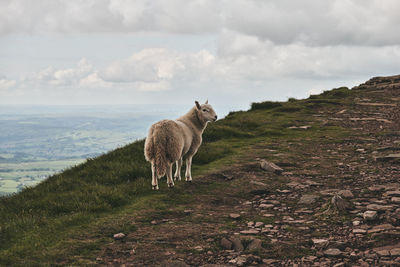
[168, 141]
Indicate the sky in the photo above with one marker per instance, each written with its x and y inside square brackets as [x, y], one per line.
[231, 52]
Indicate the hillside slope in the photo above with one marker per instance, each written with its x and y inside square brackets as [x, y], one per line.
[340, 140]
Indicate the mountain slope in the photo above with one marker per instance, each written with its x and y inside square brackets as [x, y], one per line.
[325, 142]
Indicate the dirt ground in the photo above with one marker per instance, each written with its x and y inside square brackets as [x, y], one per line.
[336, 202]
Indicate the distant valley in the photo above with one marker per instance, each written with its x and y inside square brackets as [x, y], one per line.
[36, 142]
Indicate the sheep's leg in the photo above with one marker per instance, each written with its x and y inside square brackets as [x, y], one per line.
[188, 175]
[169, 176]
[154, 181]
[178, 170]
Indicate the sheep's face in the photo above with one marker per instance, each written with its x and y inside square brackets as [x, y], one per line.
[206, 111]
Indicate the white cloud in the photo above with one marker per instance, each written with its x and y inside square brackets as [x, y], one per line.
[256, 45]
[251, 58]
[313, 22]
[154, 65]
[148, 65]
[62, 77]
[93, 80]
[7, 84]
[152, 86]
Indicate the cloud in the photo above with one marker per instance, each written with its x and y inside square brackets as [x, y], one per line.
[249, 57]
[154, 68]
[93, 80]
[62, 77]
[148, 65]
[239, 58]
[176, 16]
[316, 23]
[312, 22]
[234, 47]
[7, 84]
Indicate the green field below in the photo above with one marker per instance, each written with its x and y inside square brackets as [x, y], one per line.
[16, 176]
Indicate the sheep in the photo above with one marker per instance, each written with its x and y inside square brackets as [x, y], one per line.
[168, 141]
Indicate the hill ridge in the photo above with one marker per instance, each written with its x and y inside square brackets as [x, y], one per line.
[341, 142]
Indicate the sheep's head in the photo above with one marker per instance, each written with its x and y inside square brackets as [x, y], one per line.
[206, 111]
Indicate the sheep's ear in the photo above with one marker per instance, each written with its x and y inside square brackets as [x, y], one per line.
[197, 105]
[206, 102]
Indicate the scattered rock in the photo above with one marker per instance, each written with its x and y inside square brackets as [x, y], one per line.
[266, 206]
[393, 193]
[388, 157]
[174, 263]
[345, 194]
[377, 104]
[237, 244]
[119, 236]
[198, 248]
[259, 183]
[239, 261]
[255, 244]
[258, 224]
[270, 261]
[370, 119]
[234, 216]
[304, 127]
[284, 191]
[269, 166]
[383, 253]
[395, 200]
[378, 207]
[359, 231]
[370, 215]
[376, 188]
[380, 228]
[187, 211]
[395, 252]
[308, 199]
[340, 264]
[226, 244]
[249, 232]
[337, 205]
[320, 242]
[332, 252]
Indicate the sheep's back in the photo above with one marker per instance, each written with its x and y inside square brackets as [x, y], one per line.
[165, 139]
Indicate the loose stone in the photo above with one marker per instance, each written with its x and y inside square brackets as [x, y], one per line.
[332, 252]
[345, 193]
[226, 244]
[395, 200]
[234, 215]
[119, 236]
[237, 244]
[249, 232]
[255, 244]
[308, 199]
[359, 231]
[370, 215]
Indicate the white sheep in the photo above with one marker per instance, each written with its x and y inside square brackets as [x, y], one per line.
[169, 141]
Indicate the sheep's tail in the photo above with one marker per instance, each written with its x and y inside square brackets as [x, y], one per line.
[155, 151]
[160, 159]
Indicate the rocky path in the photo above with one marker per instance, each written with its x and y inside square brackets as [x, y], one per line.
[335, 203]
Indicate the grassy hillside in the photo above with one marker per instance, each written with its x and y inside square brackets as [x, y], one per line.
[68, 217]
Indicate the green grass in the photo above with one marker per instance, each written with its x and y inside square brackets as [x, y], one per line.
[69, 216]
